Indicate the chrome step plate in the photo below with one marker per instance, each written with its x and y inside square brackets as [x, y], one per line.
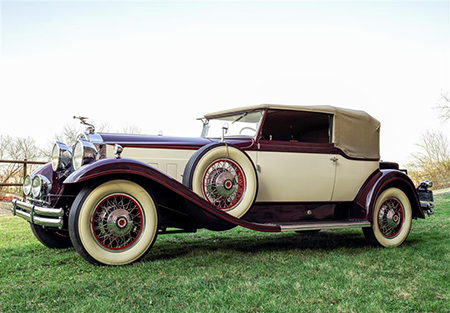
[324, 225]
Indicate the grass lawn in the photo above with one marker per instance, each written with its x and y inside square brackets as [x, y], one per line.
[236, 271]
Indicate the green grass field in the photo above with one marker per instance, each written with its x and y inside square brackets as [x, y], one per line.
[236, 271]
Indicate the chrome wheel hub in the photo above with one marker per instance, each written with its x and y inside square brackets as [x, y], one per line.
[117, 221]
[224, 184]
[390, 217]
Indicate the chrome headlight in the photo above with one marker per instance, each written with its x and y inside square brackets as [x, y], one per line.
[61, 156]
[40, 186]
[27, 185]
[84, 152]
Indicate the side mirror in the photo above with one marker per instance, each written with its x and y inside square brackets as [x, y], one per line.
[225, 128]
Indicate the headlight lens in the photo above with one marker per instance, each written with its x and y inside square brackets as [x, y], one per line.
[61, 156]
[84, 152]
[27, 185]
[40, 186]
[36, 186]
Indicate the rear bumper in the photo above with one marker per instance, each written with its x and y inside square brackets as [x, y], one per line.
[427, 207]
[426, 197]
[50, 217]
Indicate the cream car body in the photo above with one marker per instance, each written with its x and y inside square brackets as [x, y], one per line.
[268, 168]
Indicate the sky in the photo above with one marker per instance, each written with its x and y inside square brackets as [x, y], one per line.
[160, 66]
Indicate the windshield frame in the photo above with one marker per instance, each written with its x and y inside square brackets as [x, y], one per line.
[238, 115]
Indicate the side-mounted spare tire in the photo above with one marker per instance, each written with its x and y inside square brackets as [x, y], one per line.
[223, 175]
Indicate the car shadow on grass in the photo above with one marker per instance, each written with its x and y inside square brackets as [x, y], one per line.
[171, 247]
[319, 242]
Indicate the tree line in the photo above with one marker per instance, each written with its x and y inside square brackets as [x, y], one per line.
[18, 148]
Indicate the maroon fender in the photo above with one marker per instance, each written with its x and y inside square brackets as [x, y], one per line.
[57, 185]
[379, 181]
[106, 167]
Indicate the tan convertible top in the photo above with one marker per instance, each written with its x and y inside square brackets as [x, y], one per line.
[354, 132]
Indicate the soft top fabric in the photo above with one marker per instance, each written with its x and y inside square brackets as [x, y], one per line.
[355, 132]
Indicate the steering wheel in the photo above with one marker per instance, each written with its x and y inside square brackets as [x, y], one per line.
[244, 128]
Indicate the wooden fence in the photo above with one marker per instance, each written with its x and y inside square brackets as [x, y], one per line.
[24, 163]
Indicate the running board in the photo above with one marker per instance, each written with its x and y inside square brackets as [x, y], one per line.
[323, 225]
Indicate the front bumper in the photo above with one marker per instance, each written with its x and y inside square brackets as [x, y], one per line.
[50, 217]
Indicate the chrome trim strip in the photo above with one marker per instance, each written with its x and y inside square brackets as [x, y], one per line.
[323, 225]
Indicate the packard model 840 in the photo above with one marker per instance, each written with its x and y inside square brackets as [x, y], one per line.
[269, 168]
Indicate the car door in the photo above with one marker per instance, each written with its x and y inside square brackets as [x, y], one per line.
[350, 177]
[295, 157]
[295, 172]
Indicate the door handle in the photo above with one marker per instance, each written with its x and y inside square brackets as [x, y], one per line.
[334, 159]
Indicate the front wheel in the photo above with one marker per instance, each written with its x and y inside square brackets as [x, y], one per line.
[51, 238]
[391, 219]
[114, 223]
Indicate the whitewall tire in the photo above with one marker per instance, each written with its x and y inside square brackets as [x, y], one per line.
[391, 219]
[114, 223]
[224, 176]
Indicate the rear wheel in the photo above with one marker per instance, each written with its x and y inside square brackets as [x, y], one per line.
[391, 219]
[51, 238]
[113, 223]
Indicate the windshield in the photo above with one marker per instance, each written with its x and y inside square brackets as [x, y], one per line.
[242, 124]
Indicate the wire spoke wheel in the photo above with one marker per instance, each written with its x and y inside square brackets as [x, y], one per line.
[224, 176]
[390, 217]
[113, 222]
[117, 221]
[224, 184]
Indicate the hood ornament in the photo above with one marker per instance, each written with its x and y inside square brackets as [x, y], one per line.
[90, 129]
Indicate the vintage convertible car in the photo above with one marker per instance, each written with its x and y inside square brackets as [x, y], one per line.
[269, 168]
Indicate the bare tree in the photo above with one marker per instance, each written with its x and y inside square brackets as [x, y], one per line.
[444, 106]
[72, 131]
[101, 126]
[432, 161]
[131, 129]
[16, 149]
[70, 134]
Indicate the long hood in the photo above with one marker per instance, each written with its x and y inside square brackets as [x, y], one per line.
[148, 141]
